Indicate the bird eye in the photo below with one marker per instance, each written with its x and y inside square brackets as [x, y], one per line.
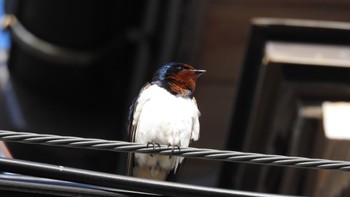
[180, 67]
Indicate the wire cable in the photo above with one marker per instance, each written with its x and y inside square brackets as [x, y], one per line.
[200, 153]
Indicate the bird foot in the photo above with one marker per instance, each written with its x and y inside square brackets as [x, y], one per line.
[173, 147]
[153, 144]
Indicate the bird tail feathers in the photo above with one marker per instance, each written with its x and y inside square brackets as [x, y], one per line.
[148, 172]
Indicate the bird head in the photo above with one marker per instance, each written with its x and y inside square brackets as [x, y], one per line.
[178, 78]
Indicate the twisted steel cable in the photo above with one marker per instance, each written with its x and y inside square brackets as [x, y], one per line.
[200, 153]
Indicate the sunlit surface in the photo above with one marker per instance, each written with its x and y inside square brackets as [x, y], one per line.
[308, 54]
[336, 120]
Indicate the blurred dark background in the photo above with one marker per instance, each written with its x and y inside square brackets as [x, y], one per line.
[108, 49]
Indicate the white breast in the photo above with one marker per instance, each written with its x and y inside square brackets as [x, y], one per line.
[163, 118]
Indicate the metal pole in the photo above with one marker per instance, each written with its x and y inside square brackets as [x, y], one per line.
[117, 181]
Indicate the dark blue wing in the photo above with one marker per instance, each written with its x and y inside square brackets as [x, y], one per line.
[132, 131]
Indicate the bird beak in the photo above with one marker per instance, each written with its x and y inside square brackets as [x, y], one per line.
[199, 72]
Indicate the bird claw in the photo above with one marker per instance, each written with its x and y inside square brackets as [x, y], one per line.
[173, 148]
[153, 145]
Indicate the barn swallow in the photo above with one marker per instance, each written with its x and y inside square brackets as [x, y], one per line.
[165, 112]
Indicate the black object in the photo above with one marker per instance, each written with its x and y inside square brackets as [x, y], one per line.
[264, 85]
[99, 183]
[75, 67]
[65, 75]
